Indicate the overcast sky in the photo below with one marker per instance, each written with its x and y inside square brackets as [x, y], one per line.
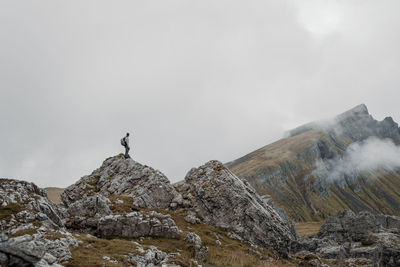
[190, 80]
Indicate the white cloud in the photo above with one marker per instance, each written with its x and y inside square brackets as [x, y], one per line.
[369, 155]
[193, 81]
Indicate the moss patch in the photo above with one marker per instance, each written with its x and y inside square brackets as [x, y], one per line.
[24, 232]
[122, 208]
[7, 211]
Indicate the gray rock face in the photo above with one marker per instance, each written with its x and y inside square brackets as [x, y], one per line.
[347, 226]
[149, 188]
[281, 213]
[191, 218]
[31, 201]
[373, 240]
[193, 238]
[96, 205]
[137, 224]
[225, 201]
[31, 249]
[152, 257]
[30, 211]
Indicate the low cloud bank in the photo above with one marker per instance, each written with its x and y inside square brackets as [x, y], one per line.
[371, 154]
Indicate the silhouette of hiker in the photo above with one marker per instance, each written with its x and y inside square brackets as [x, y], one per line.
[125, 143]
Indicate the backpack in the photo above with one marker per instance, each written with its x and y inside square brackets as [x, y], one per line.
[123, 143]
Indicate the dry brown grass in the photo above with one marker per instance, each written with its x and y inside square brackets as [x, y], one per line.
[91, 251]
[122, 208]
[54, 194]
[53, 235]
[308, 228]
[232, 253]
[24, 232]
[7, 211]
[272, 155]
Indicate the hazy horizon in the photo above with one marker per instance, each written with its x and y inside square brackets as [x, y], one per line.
[191, 81]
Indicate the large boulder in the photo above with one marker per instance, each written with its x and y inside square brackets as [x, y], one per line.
[149, 188]
[223, 200]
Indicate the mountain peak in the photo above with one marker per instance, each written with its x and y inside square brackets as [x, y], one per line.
[359, 110]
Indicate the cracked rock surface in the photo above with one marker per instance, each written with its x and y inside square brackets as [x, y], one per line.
[149, 188]
[225, 201]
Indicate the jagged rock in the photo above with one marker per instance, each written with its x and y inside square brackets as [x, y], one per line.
[149, 188]
[225, 201]
[347, 226]
[137, 224]
[361, 238]
[333, 252]
[268, 200]
[36, 249]
[31, 215]
[152, 257]
[96, 205]
[193, 238]
[200, 252]
[191, 218]
[29, 203]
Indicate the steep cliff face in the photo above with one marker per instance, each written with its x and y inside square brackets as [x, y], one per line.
[323, 167]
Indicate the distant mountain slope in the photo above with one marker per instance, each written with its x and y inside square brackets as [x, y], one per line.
[351, 162]
[54, 194]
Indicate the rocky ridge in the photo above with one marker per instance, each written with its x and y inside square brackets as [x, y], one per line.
[299, 172]
[362, 239]
[106, 219]
[30, 225]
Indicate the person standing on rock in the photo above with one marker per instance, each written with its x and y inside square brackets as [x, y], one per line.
[125, 143]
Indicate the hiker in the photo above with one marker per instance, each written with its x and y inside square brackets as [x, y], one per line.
[125, 143]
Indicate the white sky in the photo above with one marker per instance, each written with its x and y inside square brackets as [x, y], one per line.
[191, 80]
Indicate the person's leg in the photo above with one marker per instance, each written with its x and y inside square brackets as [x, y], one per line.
[127, 151]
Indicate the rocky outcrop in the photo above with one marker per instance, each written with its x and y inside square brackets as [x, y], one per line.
[346, 226]
[364, 238]
[27, 203]
[137, 224]
[152, 257]
[28, 219]
[36, 249]
[148, 187]
[223, 200]
[92, 206]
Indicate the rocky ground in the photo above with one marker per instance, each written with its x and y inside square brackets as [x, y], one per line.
[128, 214]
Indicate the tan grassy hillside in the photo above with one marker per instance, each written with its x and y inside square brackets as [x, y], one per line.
[308, 228]
[54, 194]
[284, 169]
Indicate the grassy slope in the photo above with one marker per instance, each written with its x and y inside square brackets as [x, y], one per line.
[282, 170]
[54, 194]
